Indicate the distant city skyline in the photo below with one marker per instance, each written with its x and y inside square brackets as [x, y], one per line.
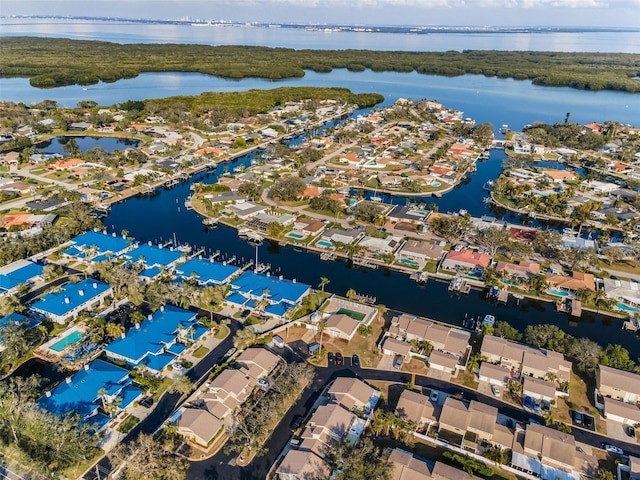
[557, 13]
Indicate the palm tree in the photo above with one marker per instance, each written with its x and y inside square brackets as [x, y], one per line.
[351, 294]
[114, 330]
[323, 281]
[321, 328]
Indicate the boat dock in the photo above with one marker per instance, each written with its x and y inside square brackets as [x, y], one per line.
[459, 285]
[365, 263]
[570, 305]
[328, 256]
[631, 324]
[420, 277]
[364, 299]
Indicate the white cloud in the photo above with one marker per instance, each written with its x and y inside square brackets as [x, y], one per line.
[462, 4]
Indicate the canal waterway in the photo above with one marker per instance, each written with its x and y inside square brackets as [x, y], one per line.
[161, 216]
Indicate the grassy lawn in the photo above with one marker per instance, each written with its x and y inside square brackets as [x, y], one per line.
[415, 365]
[431, 266]
[504, 201]
[78, 470]
[298, 203]
[164, 384]
[327, 213]
[580, 399]
[221, 333]
[619, 266]
[128, 423]
[201, 351]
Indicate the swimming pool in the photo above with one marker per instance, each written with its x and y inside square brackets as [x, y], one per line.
[626, 308]
[435, 184]
[64, 342]
[559, 293]
[324, 244]
[406, 261]
[510, 282]
[350, 313]
[295, 235]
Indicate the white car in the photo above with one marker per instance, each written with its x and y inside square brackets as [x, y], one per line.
[613, 449]
[434, 396]
[495, 390]
[263, 382]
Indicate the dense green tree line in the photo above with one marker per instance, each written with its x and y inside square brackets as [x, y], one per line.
[87, 62]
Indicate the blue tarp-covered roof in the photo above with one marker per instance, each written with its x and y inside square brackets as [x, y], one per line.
[70, 297]
[256, 283]
[151, 255]
[206, 271]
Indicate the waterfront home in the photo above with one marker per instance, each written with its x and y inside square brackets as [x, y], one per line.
[465, 259]
[417, 408]
[28, 220]
[353, 394]
[526, 361]
[98, 246]
[245, 210]
[308, 226]
[577, 281]
[341, 236]
[574, 241]
[82, 393]
[622, 290]
[224, 197]
[407, 466]
[72, 299]
[20, 272]
[442, 338]
[403, 213]
[275, 295]
[524, 269]
[618, 384]
[206, 272]
[389, 181]
[154, 260]
[559, 176]
[153, 343]
[341, 326]
[421, 250]
[380, 245]
[262, 220]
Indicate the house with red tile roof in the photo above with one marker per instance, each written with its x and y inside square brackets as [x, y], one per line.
[465, 259]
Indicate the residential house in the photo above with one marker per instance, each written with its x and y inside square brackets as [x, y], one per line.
[525, 269]
[20, 272]
[600, 187]
[387, 180]
[72, 299]
[417, 408]
[198, 425]
[618, 411]
[380, 245]
[444, 362]
[544, 452]
[494, 374]
[245, 210]
[308, 226]
[226, 392]
[341, 236]
[302, 465]
[257, 363]
[465, 259]
[206, 272]
[406, 466]
[442, 338]
[559, 176]
[577, 281]
[420, 250]
[546, 365]
[473, 423]
[342, 326]
[539, 389]
[403, 213]
[329, 421]
[391, 346]
[618, 384]
[82, 392]
[353, 394]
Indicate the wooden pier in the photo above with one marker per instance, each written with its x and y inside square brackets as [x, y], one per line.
[632, 324]
[503, 296]
[364, 263]
[364, 299]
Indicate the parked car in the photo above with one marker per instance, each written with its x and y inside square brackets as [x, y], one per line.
[230, 352]
[355, 361]
[397, 361]
[536, 405]
[631, 431]
[146, 402]
[245, 313]
[263, 382]
[495, 390]
[294, 442]
[546, 405]
[331, 358]
[528, 402]
[612, 449]
[297, 422]
[434, 396]
[338, 358]
[588, 421]
[577, 418]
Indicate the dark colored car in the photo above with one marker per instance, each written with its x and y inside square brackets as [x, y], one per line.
[631, 431]
[588, 421]
[528, 402]
[245, 313]
[355, 361]
[577, 418]
[331, 358]
[297, 422]
[146, 402]
[338, 358]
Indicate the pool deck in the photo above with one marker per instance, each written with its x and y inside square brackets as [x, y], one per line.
[47, 353]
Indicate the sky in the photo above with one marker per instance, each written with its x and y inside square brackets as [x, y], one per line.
[585, 13]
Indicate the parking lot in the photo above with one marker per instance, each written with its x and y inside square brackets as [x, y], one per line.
[583, 420]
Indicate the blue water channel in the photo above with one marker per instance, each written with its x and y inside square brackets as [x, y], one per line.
[161, 216]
